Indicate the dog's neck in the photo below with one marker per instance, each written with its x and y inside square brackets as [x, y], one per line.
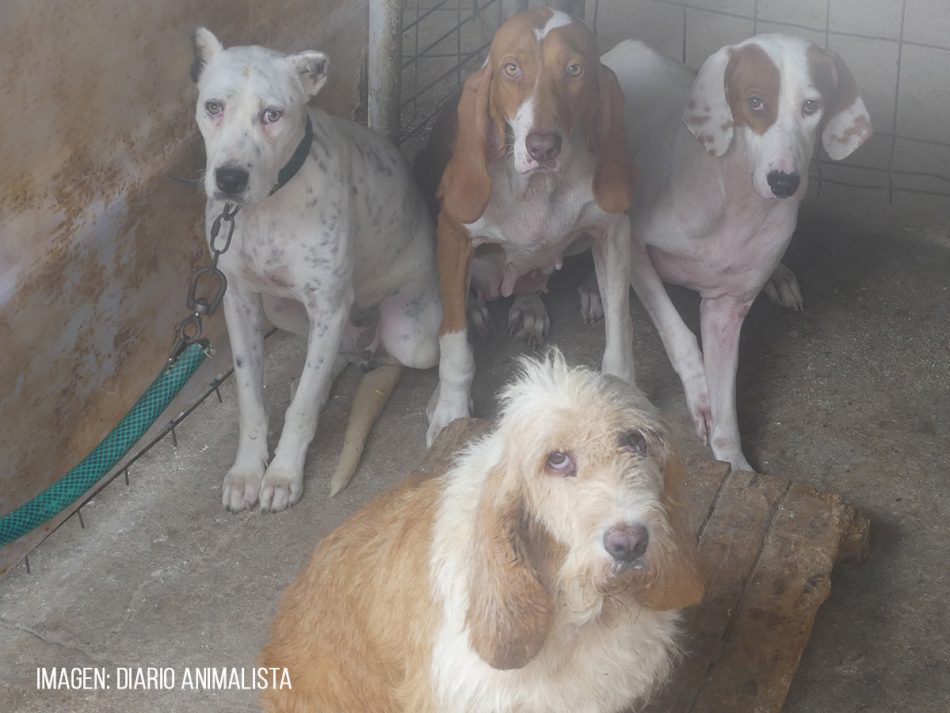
[297, 159]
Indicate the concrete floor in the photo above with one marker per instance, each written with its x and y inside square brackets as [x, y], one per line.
[852, 394]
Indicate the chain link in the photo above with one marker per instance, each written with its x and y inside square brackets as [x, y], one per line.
[205, 301]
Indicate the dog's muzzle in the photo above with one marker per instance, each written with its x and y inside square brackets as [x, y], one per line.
[783, 185]
[627, 544]
[543, 148]
[231, 181]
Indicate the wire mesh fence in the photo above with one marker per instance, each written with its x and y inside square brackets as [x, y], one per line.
[888, 45]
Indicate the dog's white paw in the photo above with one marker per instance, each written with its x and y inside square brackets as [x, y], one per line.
[733, 456]
[480, 318]
[528, 319]
[592, 309]
[782, 288]
[442, 413]
[280, 489]
[240, 490]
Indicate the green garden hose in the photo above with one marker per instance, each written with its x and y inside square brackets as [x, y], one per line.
[77, 481]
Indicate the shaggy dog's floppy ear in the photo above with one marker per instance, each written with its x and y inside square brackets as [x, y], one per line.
[509, 609]
[677, 577]
[206, 45]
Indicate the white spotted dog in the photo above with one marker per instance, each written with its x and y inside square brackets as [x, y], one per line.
[332, 240]
[723, 160]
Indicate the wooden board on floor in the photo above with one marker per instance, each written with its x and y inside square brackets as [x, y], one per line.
[769, 546]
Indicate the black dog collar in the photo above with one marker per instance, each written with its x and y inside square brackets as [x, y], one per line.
[297, 160]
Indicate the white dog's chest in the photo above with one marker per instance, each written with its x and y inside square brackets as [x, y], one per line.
[534, 225]
[728, 246]
[286, 258]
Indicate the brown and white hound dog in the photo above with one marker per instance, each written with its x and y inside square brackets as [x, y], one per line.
[725, 156]
[538, 159]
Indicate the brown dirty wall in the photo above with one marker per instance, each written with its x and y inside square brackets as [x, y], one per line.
[96, 243]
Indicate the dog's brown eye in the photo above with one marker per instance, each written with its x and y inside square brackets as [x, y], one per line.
[757, 104]
[633, 442]
[271, 115]
[560, 463]
[575, 70]
[512, 69]
[811, 106]
[213, 108]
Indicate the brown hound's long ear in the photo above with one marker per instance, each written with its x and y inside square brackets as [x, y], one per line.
[466, 187]
[509, 609]
[615, 176]
[848, 122]
[677, 580]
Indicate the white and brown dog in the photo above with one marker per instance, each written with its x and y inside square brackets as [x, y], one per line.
[333, 240]
[541, 574]
[724, 162]
[535, 159]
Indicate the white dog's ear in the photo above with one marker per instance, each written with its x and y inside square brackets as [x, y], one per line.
[206, 46]
[509, 609]
[848, 122]
[312, 69]
[708, 116]
[676, 579]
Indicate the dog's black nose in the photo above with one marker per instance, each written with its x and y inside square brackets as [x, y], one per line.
[782, 184]
[543, 147]
[231, 181]
[626, 543]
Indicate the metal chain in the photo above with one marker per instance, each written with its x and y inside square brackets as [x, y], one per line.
[205, 301]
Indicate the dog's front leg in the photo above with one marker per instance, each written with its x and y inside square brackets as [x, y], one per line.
[612, 264]
[456, 361]
[244, 317]
[679, 342]
[721, 321]
[283, 482]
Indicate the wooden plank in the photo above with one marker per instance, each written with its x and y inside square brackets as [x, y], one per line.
[773, 623]
[729, 546]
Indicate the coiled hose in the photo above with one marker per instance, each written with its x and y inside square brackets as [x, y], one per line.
[65, 491]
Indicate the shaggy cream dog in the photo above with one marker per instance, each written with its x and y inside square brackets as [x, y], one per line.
[542, 573]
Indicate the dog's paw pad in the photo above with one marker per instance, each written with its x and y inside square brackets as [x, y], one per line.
[480, 318]
[240, 491]
[592, 309]
[783, 289]
[279, 491]
[528, 320]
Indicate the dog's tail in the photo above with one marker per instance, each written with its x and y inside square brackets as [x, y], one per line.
[372, 394]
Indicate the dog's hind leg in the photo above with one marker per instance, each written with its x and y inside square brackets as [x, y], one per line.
[409, 323]
[242, 312]
[782, 288]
